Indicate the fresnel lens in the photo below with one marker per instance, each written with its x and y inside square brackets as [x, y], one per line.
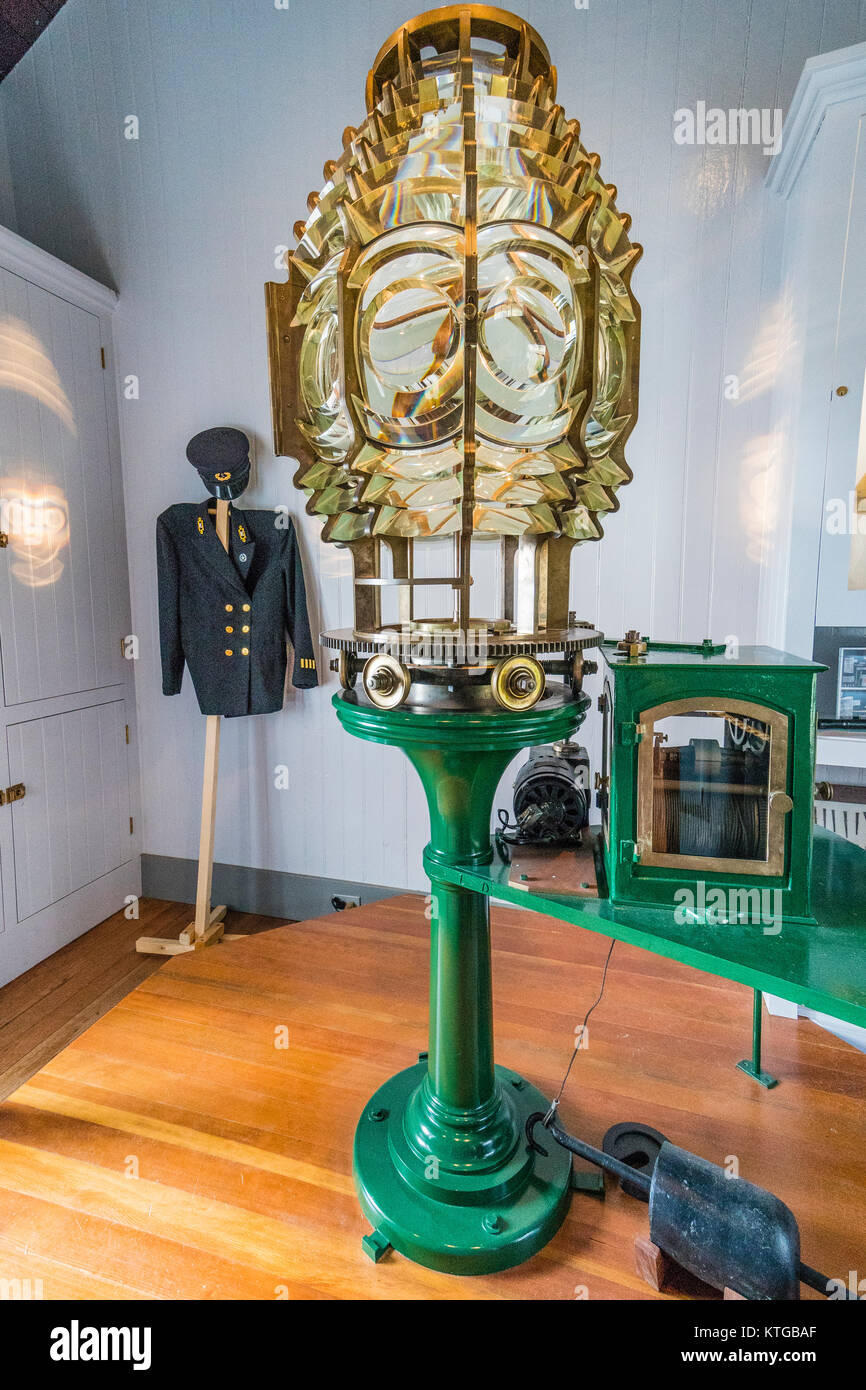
[454, 364]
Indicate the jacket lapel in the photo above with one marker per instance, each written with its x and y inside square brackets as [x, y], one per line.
[243, 547]
[211, 548]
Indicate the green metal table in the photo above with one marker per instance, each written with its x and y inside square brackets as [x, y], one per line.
[822, 966]
[441, 1164]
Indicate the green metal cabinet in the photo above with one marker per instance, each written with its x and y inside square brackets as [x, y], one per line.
[706, 785]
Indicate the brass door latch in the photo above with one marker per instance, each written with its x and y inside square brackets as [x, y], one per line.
[13, 793]
[4, 540]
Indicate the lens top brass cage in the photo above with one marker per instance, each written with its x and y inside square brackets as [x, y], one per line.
[455, 351]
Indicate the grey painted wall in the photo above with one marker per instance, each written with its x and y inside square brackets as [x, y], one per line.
[8, 216]
[267, 891]
[239, 105]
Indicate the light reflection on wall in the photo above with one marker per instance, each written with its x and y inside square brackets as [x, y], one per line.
[35, 517]
[771, 347]
[760, 494]
[707, 191]
[761, 472]
[26, 367]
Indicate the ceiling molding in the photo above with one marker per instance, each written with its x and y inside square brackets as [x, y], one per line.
[45, 270]
[826, 80]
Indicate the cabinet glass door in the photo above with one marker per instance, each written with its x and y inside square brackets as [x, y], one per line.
[711, 786]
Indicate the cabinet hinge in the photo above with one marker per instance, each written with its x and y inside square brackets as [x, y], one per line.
[130, 825]
[631, 733]
[17, 792]
[102, 356]
[628, 852]
[126, 727]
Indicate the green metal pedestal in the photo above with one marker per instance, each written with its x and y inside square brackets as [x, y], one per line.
[441, 1164]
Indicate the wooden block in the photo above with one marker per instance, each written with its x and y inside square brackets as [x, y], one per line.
[650, 1263]
[210, 937]
[187, 941]
[537, 869]
[161, 946]
[187, 936]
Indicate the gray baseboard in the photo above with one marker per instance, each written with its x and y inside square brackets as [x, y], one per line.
[268, 891]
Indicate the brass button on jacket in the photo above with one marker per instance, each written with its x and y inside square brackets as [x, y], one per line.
[200, 584]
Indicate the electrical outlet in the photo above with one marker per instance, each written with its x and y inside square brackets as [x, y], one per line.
[341, 901]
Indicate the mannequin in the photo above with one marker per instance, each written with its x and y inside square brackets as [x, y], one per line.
[221, 458]
[230, 585]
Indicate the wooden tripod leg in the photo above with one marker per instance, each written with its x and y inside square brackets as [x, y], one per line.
[208, 822]
[207, 926]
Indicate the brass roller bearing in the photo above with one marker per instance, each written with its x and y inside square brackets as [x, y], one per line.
[347, 671]
[577, 672]
[518, 682]
[386, 681]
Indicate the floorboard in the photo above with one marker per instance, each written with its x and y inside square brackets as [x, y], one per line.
[174, 1149]
[51, 1005]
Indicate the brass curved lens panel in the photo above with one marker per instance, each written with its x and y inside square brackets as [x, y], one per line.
[455, 351]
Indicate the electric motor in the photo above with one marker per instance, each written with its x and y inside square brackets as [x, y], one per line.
[551, 795]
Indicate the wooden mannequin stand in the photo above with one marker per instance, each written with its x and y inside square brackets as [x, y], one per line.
[208, 926]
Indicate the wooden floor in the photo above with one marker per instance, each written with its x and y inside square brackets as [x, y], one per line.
[49, 1006]
[174, 1150]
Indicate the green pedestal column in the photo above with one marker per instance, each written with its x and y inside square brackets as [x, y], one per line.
[441, 1163]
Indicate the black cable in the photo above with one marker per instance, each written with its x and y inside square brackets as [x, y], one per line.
[608, 1162]
[589, 1011]
[815, 1280]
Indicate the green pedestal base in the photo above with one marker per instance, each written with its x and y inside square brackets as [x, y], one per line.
[472, 1219]
[763, 1078]
[441, 1161]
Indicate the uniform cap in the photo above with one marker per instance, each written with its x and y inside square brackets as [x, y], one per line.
[221, 457]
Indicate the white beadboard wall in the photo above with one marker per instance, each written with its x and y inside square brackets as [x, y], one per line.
[239, 105]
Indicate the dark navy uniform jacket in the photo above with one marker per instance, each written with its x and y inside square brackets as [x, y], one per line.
[226, 614]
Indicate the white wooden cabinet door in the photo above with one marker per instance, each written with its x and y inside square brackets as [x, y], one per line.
[72, 826]
[59, 622]
[68, 856]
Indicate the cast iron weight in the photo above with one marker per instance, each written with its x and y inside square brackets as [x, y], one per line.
[726, 1231]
